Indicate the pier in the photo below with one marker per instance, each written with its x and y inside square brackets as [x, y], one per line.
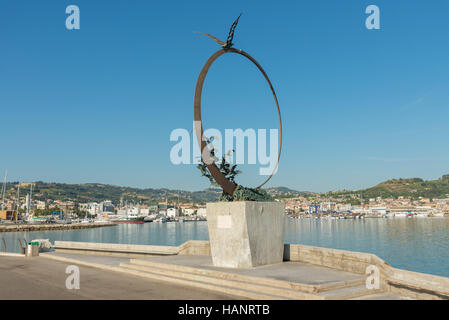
[53, 226]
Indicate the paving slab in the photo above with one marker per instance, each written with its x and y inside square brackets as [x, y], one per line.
[111, 261]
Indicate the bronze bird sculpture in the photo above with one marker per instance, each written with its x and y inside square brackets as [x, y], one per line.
[228, 44]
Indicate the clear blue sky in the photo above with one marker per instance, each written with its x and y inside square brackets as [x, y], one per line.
[98, 104]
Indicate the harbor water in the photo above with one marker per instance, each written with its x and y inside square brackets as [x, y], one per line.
[415, 244]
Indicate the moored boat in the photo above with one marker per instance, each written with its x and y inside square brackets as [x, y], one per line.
[422, 215]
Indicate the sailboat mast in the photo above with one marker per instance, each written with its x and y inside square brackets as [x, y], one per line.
[29, 199]
[4, 190]
[18, 201]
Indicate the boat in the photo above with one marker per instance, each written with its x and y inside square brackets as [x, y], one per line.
[35, 220]
[161, 219]
[400, 215]
[128, 219]
[149, 218]
[101, 221]
[422, 215]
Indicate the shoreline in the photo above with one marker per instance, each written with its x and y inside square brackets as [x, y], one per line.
[51, 227]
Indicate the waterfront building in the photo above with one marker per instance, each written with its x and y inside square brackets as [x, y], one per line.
[144, 211]
[313, 209]
[172, 212]
[344, 207]
[93, 208]
[41, 205]
[152, 208]
[8, 214]
[106, 207]
[122, 212]
[378, 211]
[327, 206]
[188, 211]
[132, 213]
[201, 212]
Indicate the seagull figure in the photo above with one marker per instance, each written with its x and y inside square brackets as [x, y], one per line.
[228, 44]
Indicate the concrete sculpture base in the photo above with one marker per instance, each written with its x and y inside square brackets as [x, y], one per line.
[245, 234]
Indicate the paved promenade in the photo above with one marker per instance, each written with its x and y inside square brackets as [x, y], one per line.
[108, 275]
[41, 278]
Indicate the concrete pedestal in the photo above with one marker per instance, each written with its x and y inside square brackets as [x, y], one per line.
[245, 234]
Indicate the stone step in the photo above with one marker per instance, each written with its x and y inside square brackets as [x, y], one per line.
[341, 293]
[308, 288]
[349, 293]
[232, 287]
[382, 296]
[283, 293]
[244, 293]
[80, 260]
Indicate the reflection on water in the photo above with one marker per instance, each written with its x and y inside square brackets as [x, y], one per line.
[415, 244]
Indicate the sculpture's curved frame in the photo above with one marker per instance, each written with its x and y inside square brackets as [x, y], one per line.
[227, 185]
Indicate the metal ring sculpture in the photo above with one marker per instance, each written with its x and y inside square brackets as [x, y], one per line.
[227, 185]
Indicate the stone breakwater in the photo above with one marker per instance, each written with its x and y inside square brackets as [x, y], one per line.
[56, 226]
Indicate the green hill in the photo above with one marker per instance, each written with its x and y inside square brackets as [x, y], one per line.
[410, 188]
[97, 192]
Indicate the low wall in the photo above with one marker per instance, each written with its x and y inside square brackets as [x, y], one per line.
[402, 282]
[192, 247]
[195, 247]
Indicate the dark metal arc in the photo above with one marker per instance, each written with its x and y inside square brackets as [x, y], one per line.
[227, 185]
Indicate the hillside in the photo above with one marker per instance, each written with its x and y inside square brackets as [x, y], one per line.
[413, 188]
[96, 192]
[285, 192]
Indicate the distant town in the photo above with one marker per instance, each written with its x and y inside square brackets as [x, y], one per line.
[319, 206]
[47, 210]
[47, 202]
